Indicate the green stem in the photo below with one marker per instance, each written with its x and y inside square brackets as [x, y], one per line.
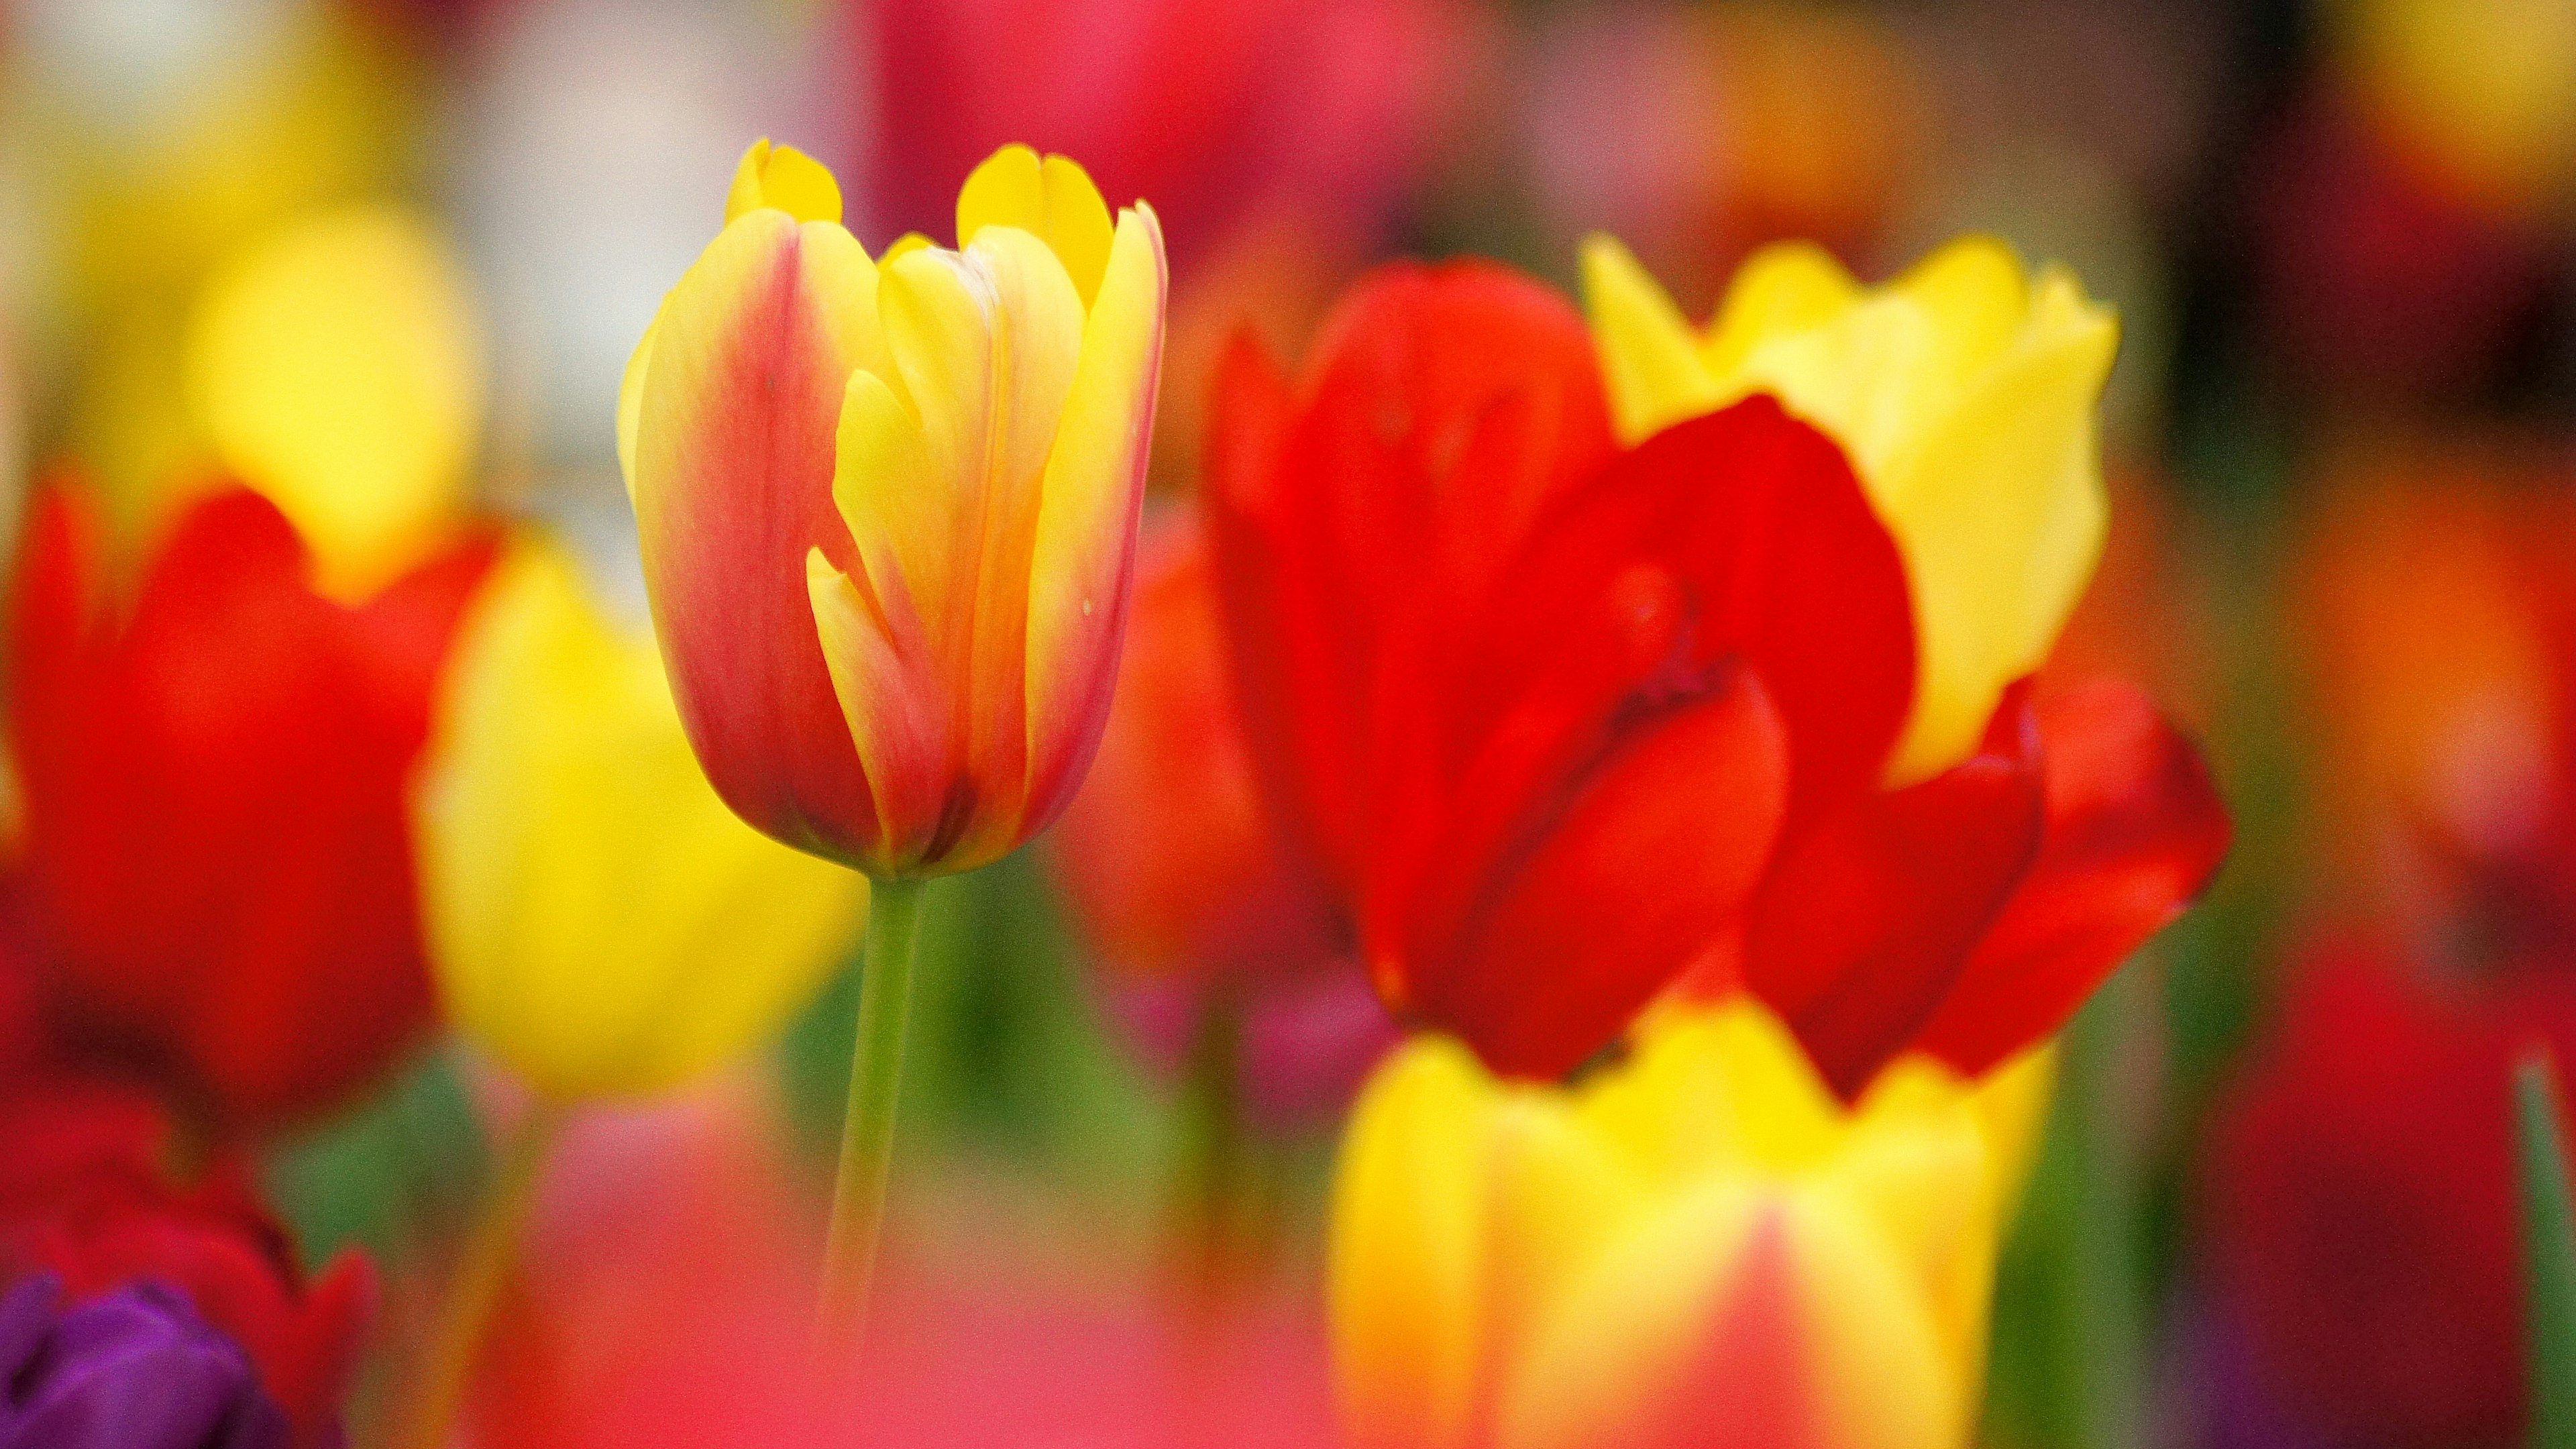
[867, 1127]
[483, 1268]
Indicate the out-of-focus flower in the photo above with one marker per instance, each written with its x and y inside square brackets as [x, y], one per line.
[1697, 1245]
[2439, 636]
[2373, 283]
[133, 1369]
[1965, 394]
[888, 508]
[2358, 1202]
[1166, 854]
[1174, 874]
[335, 368]
[1222, 113]
[153, 146]
[1699, 134]
[2476, 92]
[217, 874]
[84, 1197]
[596, 917]
[1496, 669]
[698, 1327]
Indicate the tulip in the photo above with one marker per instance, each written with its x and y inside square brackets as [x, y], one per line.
[134, 1369]
[892, 621]
[2357, 1211]
[1697, 1245]
[1562, 726]
[1166, 855]
[2434, 624]
[84, 1199]
[597, 919]
[1964, 394]
[217, 877]
[888, 511]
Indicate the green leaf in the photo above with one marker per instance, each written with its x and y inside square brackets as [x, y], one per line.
[2549, 1245]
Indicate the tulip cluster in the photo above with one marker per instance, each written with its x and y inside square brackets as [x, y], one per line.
[1615, 759]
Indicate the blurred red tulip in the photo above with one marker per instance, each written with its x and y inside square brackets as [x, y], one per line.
[1165, 854]
[2375, 283]
[1168, 863]
[83, 1194]
[1555, 723]
[667, 1299]
[1217, 111]
[2438, 630]
[217, 878]
[2360, 1209]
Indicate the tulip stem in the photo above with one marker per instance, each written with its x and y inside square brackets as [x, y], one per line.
[482, 1270]
[867, 1126]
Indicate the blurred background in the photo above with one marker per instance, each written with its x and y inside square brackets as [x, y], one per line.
[2275, 1204]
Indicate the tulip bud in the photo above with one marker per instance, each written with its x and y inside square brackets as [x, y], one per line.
[1698, 1245]
[888, 507]
[596, 918]
[1964, 393]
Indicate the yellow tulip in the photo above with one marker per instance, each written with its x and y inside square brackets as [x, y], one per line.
[1697, 1245]
[1965, 394]
[597, 919]
[337, 368]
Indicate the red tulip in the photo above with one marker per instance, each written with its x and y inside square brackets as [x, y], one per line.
[1166, 855]
[82, 1195]
[2359, 1202]
[667, 1299]
[217, 876]
[1556, 723]
[1168, 863]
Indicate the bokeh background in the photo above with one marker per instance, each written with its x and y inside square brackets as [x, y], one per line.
[2275, 1203]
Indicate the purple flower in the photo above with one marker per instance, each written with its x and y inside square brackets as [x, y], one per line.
[132, 1369]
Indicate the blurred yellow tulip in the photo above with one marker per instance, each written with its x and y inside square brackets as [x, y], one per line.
[597, 919]
[337, 368]
[1697, 1245]
[1965, 393]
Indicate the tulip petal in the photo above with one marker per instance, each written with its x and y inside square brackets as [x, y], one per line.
[898, 712]
[2135, 830]
[630, 399]
[732, 479]
[1571, 919]
[1785, 287]
[1083, 554]
[785, 178]
[1998, 568]
[1051, 199]
[1407, 1263]
[1650, 357]
[1330, 503]
[1869, 914]
[1761, 517]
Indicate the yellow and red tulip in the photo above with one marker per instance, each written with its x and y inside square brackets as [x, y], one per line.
[1698, 1245]
[888, 506]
